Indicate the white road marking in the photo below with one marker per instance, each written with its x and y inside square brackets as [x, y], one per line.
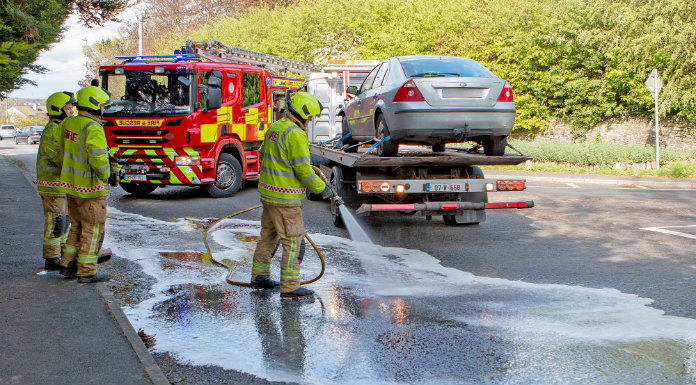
[643, 187]
[573, 185]
[664, 230]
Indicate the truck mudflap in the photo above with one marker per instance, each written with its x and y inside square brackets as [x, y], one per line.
[441, 207]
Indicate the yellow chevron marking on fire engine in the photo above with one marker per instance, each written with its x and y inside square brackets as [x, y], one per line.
[141, 146]
[209, 133]
[240, 130]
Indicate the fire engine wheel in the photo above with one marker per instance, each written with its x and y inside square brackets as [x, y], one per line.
[228, 179]
[138, 189]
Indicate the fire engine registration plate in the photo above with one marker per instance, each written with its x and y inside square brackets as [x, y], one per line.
[136, 177]
[446, 187]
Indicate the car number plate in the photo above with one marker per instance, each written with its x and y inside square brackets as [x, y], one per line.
[445, 187]
[136, 177]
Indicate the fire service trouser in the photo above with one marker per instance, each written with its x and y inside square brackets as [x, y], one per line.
[87, 219]
[284, 223]
[55, 224]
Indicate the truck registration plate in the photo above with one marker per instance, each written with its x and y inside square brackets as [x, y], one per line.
[136, 177]
[446, 187]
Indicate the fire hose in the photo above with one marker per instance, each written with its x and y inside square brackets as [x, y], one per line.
[248, 283]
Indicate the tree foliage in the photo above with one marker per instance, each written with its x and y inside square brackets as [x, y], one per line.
[29, 26]
[580, 61]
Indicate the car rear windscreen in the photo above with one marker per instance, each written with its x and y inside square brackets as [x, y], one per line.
[443, 67]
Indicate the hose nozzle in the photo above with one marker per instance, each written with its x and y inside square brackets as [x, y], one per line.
[339, 201]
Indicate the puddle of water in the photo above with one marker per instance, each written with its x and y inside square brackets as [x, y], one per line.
[391, 315]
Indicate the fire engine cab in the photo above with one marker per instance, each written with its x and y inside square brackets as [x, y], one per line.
[194, 118]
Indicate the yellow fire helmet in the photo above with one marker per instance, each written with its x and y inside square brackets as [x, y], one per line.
[304, 105]
[91, 99]
[56, 102]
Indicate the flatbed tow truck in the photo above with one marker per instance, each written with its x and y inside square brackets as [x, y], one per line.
[417, 181]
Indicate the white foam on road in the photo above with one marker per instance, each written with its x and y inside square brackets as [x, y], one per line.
[537, 319]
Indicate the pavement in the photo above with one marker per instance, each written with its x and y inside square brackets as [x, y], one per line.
[53, 330]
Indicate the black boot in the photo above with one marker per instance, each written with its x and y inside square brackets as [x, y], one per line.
[51, 264]
[264, 282]
[99, 277]
[70, 271]
[297, 294]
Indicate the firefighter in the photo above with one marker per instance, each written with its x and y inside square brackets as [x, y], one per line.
[286, 173]
[85, 177]
[58, 106]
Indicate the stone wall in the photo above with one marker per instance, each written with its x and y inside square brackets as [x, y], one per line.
[630, 131]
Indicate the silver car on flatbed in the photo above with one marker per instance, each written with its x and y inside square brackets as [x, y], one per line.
[431, 100]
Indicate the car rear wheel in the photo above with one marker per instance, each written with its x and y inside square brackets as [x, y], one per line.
[390, 147]
[16, 142]
[138, 189]
[495, 145]
[349, 141]
[228, 178]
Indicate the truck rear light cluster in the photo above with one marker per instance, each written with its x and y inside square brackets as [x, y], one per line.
[408, 92]
[509, 185]
[381, 186]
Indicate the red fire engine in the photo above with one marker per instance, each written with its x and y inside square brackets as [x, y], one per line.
[197, 117]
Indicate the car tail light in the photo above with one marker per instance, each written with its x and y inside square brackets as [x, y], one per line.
[35, 134]
[409, 92]
[509, 185]
[384, 186]
[506, 93]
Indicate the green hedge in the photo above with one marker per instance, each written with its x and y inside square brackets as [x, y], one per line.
[598, 154]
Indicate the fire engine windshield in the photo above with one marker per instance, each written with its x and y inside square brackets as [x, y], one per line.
[145, 93]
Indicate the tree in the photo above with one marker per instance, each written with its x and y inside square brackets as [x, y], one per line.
[29, 26]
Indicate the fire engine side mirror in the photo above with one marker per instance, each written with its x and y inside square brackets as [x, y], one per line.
[214, 93]
[352, 90]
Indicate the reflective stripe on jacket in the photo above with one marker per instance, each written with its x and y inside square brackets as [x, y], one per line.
[285, 168]
[85, 159]
[47, 171]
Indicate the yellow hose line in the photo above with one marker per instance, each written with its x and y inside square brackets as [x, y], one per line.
[247, 283]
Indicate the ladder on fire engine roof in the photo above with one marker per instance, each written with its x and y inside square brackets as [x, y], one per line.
[215, 51]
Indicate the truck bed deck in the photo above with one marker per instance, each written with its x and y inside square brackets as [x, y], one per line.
[416, 156]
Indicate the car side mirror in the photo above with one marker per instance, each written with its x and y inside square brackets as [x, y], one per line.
[352, 90]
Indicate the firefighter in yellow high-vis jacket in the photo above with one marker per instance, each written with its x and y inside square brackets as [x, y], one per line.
[85, 174]
[58, 106]
[285, 175]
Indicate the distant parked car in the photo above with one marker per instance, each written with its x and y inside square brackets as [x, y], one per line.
[7, 131]
[29, 135]
[431, 100]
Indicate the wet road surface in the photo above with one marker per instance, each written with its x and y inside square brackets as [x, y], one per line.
[390, 315]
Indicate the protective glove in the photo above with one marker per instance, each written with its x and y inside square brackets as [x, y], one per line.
[113, 177]
[328, 192]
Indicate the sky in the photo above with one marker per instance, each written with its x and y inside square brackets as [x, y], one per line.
[65, 60]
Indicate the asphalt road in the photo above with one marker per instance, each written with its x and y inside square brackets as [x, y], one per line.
[639, 241]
